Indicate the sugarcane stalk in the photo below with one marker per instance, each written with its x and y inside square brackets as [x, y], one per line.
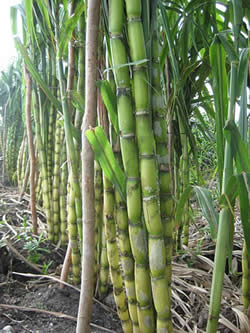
[63, 191]
[73, 233]
[225, 219]
[71, 151]
[121, 219]
[88, 201]
[245, 278]
[23, 164]
[185, 181]
[104, 265]
[130, 159]
[113, 256]
[31, 151]
[56, 182]
[148, 167]
[98, 222]
[162, 153]
[25, 180]
[43, 165]
[50, 148]
[20, 159]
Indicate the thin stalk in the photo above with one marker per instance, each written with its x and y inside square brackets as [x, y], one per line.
[113, 255]
[56, 180]
[20, 159]
[88, 195]
[185, 179]
[63, 191]
[98, 221]
[24, 161]
[162, 153]
[73, 235]
[104, 264]
[225, 219]
[25, 180]
[31, 151]
[245, 278]
[43, 163]
[71, 151]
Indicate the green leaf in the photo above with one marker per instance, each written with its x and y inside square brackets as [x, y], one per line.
[105, 156]
[242, 70]
[231, 192]
[232, 55]
[207, 207]
[244, 191]
[68, 28]
[46, 16]
[78, 101]
[181, 204]
[219, 76]
[13, 19]
[35, 75]
[29, 17]
[238, 146]
[76, 133]
[110, 102]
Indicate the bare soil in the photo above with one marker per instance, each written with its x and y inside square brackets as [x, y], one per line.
[31, 300]
[25, 298]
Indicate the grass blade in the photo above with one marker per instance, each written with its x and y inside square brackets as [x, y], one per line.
[105, 156]
[35, 75]
[110, 102]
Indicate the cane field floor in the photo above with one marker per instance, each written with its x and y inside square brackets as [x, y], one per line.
[31, 299]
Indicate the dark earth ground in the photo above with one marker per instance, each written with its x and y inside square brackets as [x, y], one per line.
[192, 274]
[39, 293]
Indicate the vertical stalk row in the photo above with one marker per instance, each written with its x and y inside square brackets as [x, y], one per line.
[113, 256]
[162, 153]
[148, 167]
[130, 159]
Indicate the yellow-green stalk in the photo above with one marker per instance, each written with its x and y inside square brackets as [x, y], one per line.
[245, 278]
[130, 159]
[121, 218]
[63, 191]
[99, 216]
[104, 265]
[43, 164]
[56, 182]
[113, 255]
[162, 153]
[73, 234]
[185, 180]
[148, 167]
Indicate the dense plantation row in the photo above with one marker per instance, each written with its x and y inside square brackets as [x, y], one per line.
[147, 89]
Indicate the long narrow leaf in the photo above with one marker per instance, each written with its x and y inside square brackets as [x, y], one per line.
[45, 13]
[68, 28]
[218, 61]
[35, 75]
[181, 204]
[244, 191]
[105, 156]
[207, 207]
[109, 100]
[78, 101]
[238, 146]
